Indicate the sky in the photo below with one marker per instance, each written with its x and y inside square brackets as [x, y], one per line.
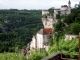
[34, 4]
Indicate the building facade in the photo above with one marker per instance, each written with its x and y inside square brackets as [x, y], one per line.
[41, 40]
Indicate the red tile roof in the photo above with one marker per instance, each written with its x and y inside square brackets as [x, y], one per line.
[45, 31]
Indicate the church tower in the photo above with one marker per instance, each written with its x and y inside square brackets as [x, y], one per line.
[69, 6]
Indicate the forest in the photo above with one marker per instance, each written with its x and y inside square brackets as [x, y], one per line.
[17, 28]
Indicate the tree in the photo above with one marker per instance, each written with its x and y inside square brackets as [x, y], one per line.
[77, 19]
[51, 11]
[22, 25]
[58, 26]
[75, 28]
[58, 15]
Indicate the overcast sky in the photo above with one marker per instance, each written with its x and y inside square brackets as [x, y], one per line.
[34, 4]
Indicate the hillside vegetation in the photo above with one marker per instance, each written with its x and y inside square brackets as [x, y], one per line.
[17, 28]
[11, 56]
[69, 24]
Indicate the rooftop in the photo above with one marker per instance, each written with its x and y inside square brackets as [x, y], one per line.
[45, 31]
[64, 6]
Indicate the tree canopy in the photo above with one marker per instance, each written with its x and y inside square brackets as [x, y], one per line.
[17, 28]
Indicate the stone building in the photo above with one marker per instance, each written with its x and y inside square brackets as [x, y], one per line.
[43, 36]
[49, 21]
[65, 9]
[41, 39]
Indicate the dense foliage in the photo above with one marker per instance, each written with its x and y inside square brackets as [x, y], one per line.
[17, 28]
[68, 46]
[51, 11]
[75, 28]
[38, 55]
[11, 56]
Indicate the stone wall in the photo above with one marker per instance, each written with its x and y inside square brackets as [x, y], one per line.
[70, 37]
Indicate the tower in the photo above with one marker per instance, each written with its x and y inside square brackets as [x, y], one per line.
[69, 6]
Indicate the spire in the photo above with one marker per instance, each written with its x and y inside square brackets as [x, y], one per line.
[69, 2]
[79, 2]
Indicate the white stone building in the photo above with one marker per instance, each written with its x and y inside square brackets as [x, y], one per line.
[43, 36]
[41, 40]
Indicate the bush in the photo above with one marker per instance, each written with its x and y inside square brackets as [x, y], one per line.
[11, 56]
[38, 55]
[69, 46]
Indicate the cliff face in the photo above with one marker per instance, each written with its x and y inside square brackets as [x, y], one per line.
[48, 22]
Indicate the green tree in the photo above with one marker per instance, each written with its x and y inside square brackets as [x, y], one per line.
[77, 19]
[75, 28]
[58, 15]
[59, 26]
[51, 11]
